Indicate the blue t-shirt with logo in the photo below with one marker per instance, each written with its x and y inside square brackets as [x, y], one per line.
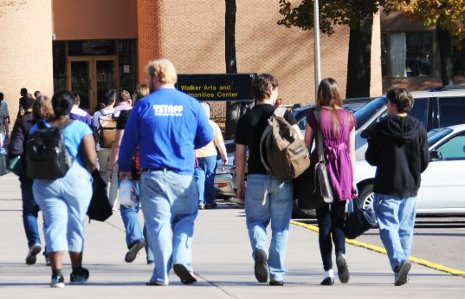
[168, 125]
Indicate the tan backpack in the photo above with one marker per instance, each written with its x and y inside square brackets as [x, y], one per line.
[283, 153]
[107, 130]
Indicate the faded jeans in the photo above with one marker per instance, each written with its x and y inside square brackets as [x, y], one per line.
[169, 203]
[205, 178]
[268, 199]
[396, 219]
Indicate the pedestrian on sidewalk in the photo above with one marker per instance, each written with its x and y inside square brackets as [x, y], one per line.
[135, 235]
[267, 199]
[168, 126]
[64, 201]
[79, 114]
[206, 168]
[34, 111]
[337, 127]
[398, 147]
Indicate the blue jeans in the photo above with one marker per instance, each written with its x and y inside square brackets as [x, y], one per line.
[396, 219]
[331, 226]
[64, 204]
[30, 212]
[205, 178]
[268, 199]
[169, 203]
[134, 232]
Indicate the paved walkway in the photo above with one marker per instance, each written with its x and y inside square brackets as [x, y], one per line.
[222, 261]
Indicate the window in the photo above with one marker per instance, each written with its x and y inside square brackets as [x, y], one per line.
[420, 111]
[408, 54]
[453, 149]
[451, 111]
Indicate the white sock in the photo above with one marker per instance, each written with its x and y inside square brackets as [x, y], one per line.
[329, 273]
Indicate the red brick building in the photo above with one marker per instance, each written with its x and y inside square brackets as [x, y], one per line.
[88, 46]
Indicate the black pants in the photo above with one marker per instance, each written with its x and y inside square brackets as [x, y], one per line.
[331, 221]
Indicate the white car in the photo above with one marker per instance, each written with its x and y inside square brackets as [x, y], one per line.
[442, 188]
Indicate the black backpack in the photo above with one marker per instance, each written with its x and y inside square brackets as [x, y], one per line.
[46, 155]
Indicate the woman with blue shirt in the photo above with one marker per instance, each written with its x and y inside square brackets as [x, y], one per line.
[64, 201]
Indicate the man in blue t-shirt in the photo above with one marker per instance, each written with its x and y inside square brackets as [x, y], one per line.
[168, 126]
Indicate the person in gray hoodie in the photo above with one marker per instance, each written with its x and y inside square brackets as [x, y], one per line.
[398, 147]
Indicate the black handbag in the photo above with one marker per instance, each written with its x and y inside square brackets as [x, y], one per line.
[99, 207]
[312, 189]
[15, 165]
[358, 220]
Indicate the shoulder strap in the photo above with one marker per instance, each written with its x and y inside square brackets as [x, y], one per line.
[318, 135]
[280, 111]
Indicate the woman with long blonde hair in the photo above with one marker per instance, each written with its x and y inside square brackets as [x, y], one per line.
[337, 127]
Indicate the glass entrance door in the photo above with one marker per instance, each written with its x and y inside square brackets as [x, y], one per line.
[91, 77]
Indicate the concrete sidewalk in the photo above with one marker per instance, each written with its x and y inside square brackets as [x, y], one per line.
[222, 262]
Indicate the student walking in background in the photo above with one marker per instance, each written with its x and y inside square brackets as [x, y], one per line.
[398, 147]
[135, 235]
[64, 201]
[337, 127]
[79, 114]
[34, 111]
[168, 126]
[267, 199]
[206, 159]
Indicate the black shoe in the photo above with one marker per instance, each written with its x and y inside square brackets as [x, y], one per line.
[342, 269]
[401, 273]
[201, 206]
[276, 283]
[58, 281]
[210, 206]
[186, 276]
[79, 276]
[31, 255]
[47, 259]
[328, 281]
[261, 266]
[132, 253]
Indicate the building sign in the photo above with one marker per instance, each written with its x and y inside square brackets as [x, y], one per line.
[217, 87]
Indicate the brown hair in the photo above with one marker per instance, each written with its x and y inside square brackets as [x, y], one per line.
[400, 97]
[328, 95]
[124, 96]
[42, 108]
[261, 86]
[142, 90]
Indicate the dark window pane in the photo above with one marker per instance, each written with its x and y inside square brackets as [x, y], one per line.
[420, 111]
[80, 81]
[451, 111]
[127, 64]
[91, 47]
[59, 65]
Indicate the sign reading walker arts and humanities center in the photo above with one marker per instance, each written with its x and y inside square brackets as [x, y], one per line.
[217, 87]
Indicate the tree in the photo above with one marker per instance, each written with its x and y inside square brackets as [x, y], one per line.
[232, 107]
[448, 16]
[358, 15]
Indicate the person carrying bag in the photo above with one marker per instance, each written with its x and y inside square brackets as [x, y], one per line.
[334, 160]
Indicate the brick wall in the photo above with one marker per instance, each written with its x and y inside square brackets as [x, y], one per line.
[191, 34]
[25, 49]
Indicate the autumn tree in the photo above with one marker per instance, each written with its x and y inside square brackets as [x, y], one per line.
[358, 15]
[448, 16]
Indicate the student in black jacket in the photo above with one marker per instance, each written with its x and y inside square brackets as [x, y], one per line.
[398, 147]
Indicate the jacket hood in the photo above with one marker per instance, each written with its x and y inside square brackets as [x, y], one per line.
[401, 129]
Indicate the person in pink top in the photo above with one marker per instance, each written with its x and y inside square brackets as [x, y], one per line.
[338, 131]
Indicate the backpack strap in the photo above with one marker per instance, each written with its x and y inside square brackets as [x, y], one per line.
[318, 135]
[280, 111]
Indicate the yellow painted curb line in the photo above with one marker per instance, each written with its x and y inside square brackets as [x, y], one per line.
[375, 248]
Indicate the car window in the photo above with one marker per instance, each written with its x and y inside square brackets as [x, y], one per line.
[451, 111]
[367, 111]
[437, 134]
[453, 149]
[420, 110]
